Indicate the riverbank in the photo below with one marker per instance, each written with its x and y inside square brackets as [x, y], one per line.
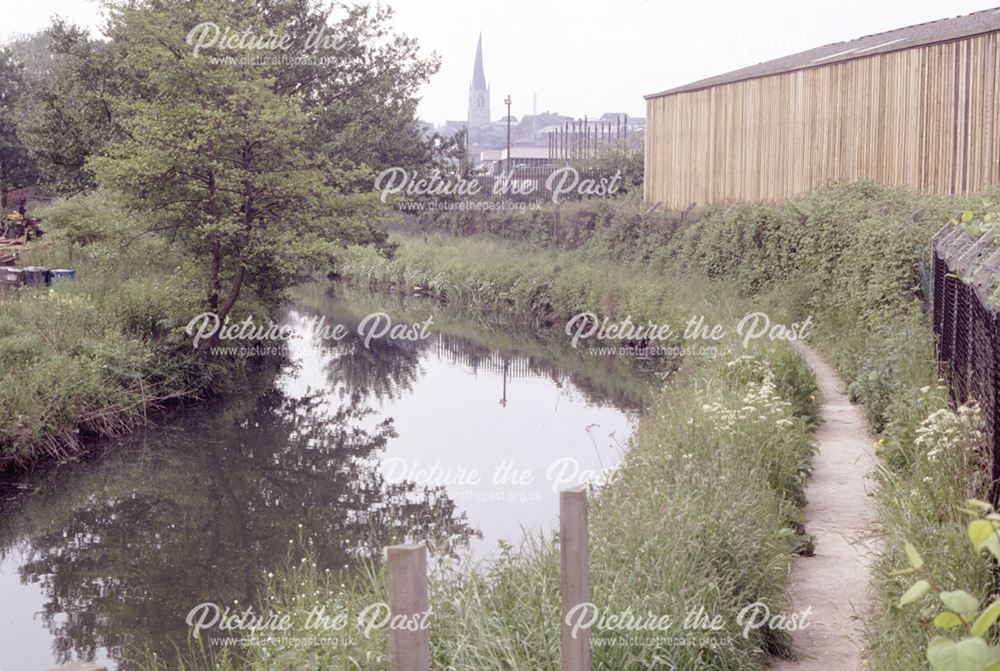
[97, 357]
[855, 257]
[703, 511]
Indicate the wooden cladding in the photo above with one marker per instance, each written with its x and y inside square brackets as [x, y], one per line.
[923, 118]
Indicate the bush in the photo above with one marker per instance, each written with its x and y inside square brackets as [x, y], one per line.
[90, 358]
[95, 216]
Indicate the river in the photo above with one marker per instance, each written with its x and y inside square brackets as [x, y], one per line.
[462, 439]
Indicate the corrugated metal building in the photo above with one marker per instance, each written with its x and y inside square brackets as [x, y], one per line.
[913, 107]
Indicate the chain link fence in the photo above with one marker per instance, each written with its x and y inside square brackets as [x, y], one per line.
[967, 324]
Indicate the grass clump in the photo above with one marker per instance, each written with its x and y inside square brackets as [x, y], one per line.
[94, 357]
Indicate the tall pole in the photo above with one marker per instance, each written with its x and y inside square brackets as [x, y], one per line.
[506, 101]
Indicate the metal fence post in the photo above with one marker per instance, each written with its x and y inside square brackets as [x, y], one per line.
[574, 577]
[409, 646]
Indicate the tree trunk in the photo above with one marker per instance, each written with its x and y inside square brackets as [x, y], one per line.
[3, 187]
[215, 265]
[223, 311]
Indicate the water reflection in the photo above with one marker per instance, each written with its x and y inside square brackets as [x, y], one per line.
[108, 556]
[197, 512]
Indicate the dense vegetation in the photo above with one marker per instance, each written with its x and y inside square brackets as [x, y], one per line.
[91, 358]
[855, 257]
[704, 511]
[192, 181]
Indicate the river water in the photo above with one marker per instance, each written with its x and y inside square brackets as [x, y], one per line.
[462, 439]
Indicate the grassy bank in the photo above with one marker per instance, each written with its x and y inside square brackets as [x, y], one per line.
[703, 513]
[855, 257]
[94, 358]
[698, 517]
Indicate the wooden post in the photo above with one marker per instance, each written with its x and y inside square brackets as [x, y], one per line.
[574, 576]
[408, 650]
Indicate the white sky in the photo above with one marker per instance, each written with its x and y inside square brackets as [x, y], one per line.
[589, 57]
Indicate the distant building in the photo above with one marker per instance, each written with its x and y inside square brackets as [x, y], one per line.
[533, 132]
[496, 161]
[914, 107]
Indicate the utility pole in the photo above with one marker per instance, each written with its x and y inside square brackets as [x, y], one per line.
[506, 101]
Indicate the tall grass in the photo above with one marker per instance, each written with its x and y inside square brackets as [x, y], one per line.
[703, 513]
[94, 357]
[855, 257]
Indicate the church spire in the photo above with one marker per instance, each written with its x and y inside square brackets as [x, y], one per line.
[479, 97]
[478, 73]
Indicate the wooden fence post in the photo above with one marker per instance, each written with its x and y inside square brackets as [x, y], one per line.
[574, 576]
[408, 650]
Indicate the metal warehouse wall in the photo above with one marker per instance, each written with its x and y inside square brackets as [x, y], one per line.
[923, 118]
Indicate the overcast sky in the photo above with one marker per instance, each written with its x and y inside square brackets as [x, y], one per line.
[593, 57]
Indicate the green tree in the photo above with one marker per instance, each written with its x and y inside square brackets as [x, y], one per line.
[219, 149]
[363, 102]
[17, 170]
[67, 112]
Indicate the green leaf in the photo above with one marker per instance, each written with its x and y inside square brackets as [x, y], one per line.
[982, 534]
[902, 571]
[948, 620]
[961, 602]
[967, 216]
[916, 561]
[986, 619]
[979, 504]
[979, 531]
[969, 654]
[916, 591]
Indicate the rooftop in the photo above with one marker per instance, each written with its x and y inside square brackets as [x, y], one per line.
[943, 30]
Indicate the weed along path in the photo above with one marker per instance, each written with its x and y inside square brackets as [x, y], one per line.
[840, 513]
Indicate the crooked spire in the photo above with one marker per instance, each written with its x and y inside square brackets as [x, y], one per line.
[478, 73]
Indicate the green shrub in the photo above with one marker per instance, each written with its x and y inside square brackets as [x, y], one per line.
[95, 216]
[91, 358]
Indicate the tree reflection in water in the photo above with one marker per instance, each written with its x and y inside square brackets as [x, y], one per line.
[126, 547]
